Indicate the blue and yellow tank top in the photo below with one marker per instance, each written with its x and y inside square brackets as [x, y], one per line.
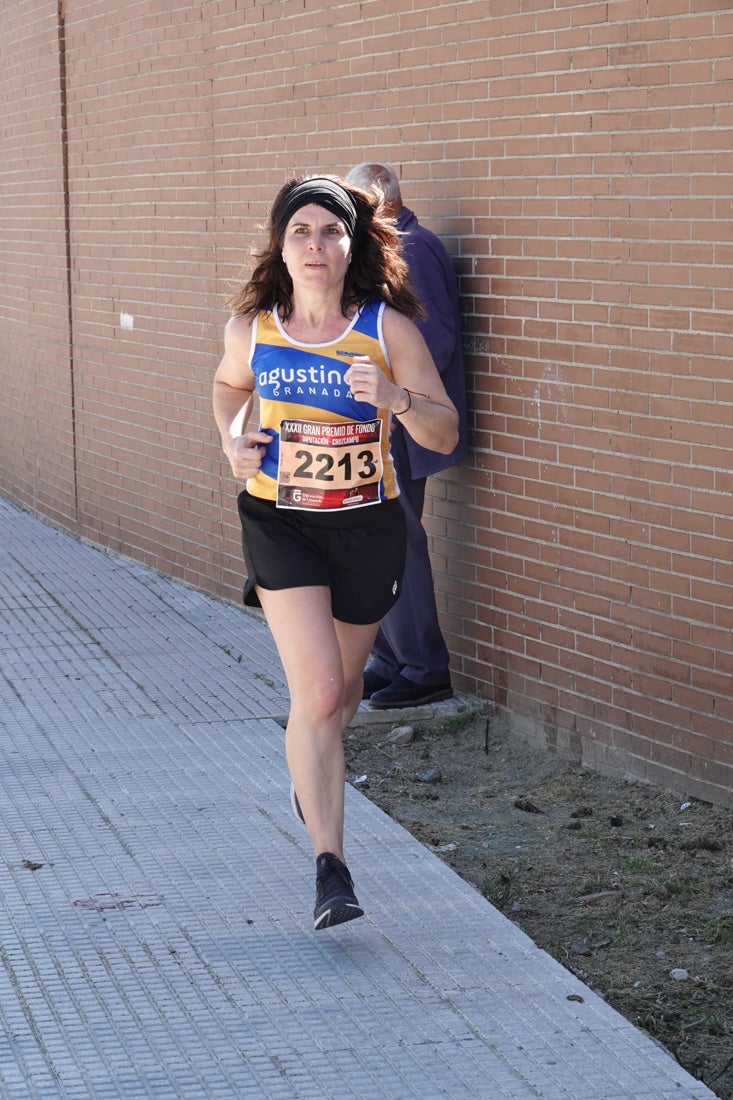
[329, 452]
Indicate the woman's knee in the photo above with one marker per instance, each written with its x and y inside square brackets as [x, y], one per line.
[320, 703]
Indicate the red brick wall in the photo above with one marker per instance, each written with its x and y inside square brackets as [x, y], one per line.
[36, 388]
[575, 157]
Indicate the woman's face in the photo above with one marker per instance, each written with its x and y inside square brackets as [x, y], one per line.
[316, 248]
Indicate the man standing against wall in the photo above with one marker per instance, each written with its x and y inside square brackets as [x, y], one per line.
[409, 661]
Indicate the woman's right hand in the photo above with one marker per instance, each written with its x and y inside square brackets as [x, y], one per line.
[245, 453]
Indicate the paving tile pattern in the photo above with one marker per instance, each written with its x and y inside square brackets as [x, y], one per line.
[156, 891]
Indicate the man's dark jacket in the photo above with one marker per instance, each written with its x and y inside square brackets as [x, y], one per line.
[434, 277]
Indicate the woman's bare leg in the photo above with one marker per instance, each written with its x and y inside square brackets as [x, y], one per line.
[323, 661]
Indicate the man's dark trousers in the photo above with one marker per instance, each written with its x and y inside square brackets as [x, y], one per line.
[410, 640]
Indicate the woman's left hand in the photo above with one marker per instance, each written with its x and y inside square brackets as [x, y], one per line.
[368, 383]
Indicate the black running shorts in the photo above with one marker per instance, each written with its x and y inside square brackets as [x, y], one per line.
[358, 555]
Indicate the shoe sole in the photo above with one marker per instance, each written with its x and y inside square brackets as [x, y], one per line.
[337, 911]
[434, 697]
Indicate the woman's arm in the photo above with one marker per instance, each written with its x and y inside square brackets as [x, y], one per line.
[417, 396]
[234, 386]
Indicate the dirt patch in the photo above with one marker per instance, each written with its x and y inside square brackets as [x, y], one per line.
[627, 885]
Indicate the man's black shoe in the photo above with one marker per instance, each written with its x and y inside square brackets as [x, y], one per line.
[405, 693]
[335, 898]
[373, 682]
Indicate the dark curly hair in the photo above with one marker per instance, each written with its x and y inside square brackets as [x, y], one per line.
[377, 268]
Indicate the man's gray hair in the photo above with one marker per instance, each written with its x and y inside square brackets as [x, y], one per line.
[372, 176]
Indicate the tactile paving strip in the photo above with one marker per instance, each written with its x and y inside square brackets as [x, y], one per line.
[157, 892]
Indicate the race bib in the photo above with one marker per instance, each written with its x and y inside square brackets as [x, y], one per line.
[329, 466]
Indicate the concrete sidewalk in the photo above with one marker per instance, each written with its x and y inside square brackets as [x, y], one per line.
[157, 936]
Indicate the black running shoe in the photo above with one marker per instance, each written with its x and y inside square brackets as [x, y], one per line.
[335, 898]
[295, 804]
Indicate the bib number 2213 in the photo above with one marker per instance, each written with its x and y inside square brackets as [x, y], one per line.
[329, 466]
